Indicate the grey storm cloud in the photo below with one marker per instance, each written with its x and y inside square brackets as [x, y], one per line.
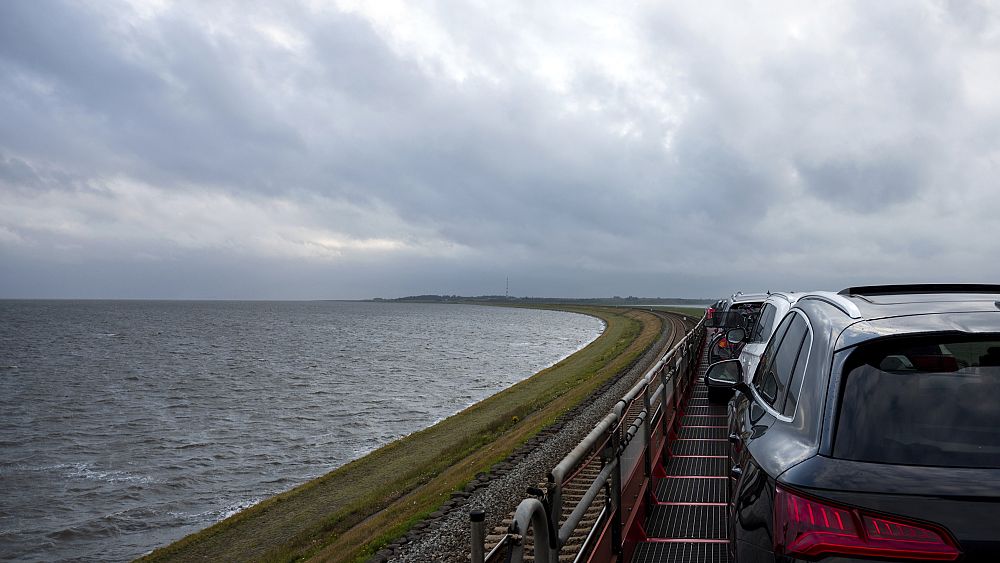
[357, 149]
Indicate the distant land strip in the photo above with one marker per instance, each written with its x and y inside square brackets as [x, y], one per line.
[350, 512]
[615, 301]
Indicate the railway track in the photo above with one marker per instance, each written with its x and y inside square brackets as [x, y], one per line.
[576, 486]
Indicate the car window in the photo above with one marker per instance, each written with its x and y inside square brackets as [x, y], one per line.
[721, 318]
[795, 384]
[928, 400]
[767, 358]
[746, 314]
[741, 315]
[762, 330]
[773, 380]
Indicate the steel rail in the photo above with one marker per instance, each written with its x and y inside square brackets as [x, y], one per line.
[595, 489]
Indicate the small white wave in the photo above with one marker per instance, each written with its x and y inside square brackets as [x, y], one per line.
[85, 471]
[237, 507]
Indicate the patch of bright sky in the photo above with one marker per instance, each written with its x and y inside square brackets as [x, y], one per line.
[147, 9]
[412, 33]
[123, 209]
[281, 36]
[554, 49]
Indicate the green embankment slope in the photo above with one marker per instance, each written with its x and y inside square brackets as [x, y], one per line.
[351, 511]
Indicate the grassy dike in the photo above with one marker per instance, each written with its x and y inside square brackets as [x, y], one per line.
[350, 512]
[696, 312]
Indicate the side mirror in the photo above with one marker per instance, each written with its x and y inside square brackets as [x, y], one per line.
[736, 335]
[727, 374]
[724, 374]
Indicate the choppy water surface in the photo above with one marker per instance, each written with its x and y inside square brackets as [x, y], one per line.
[125, 425]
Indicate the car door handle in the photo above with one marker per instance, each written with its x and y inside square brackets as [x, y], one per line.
[735, 440]
[735, 472]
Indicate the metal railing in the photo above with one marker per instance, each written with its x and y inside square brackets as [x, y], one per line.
[627, 443]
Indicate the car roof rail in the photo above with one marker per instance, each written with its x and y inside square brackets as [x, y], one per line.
[837, 300]
[921, 288]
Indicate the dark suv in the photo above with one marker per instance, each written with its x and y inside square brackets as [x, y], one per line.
[870, 429]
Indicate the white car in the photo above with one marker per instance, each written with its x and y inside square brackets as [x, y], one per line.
[774, 309]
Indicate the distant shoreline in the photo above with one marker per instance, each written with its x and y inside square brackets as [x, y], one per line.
[591, 301]
[456, 299]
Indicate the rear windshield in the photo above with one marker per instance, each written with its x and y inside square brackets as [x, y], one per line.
[742, 315]
[922, 401]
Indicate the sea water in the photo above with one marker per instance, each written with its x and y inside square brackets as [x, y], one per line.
[125, 425]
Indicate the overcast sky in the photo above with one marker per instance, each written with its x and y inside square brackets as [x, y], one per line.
[361, 149]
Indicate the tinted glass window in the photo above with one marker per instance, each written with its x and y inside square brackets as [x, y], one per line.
[748, 313]
[763, 328]
[764, 380]
[742, 315]
[722, 319]
[784, 361]
[922, 401]
[795, 384]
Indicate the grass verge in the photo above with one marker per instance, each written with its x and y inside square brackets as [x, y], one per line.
[350, 512]
[694, 312]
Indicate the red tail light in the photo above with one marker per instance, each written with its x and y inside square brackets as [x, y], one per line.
[808, 528]
[709, 313]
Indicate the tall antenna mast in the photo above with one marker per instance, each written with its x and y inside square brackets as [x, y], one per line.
[506, 289]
